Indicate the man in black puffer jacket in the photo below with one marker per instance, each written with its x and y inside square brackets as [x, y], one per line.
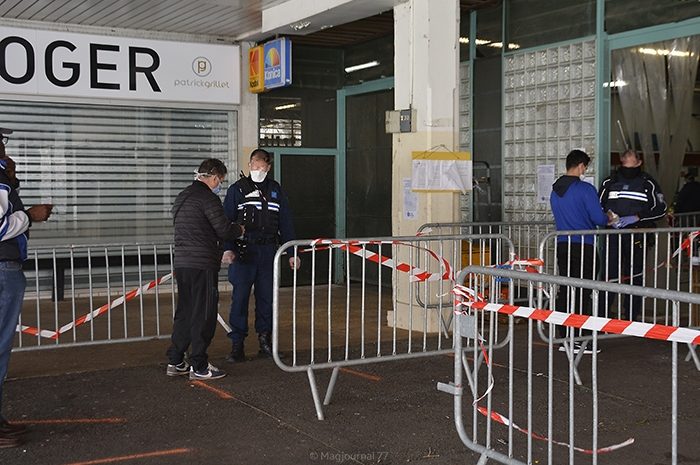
[201, 227]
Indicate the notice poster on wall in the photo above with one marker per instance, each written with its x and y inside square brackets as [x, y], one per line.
[410, 201]
[545, 179]
[441, 171]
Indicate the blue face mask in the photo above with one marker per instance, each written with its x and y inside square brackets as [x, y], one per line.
[217, 189]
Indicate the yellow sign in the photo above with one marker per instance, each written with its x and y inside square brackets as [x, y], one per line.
[256, 77]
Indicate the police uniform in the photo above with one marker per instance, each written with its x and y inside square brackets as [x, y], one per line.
[630, 192]
[263, 209]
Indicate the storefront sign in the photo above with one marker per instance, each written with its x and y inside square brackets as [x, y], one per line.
[278, 63]
[55, 63]
[256, 78]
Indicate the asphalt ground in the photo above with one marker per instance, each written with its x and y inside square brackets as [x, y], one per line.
[113, 404]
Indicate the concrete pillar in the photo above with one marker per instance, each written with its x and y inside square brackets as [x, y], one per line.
[426, 63]
[247, 118]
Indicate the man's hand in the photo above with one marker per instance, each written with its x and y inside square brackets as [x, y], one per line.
[625, 221]
[294, 263]
[612, 217]
[39, 213]
[228, 257]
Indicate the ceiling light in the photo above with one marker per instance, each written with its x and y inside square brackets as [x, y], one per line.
[465, 40]
[662, 52]
[488, 43]
[300, 25]
[617, 83]
[287, 106]
[369, 64]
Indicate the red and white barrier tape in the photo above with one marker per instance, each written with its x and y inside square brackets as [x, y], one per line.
[594, 323]
[497, 417]
[417, 274]
[95, 313]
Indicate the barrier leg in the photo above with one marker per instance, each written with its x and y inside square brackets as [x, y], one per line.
[314, 393]
[570, 353]
[694, 355]
[331, 386]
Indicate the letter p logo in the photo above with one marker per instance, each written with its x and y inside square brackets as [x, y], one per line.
[201, 66]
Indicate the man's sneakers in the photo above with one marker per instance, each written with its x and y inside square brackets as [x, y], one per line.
[211, 372]
[237, 354]
[11, 434]
[577, 348]
[178, 370]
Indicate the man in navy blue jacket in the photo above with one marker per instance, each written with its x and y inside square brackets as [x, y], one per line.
[258, 202]
[15, 222]
[576, 207]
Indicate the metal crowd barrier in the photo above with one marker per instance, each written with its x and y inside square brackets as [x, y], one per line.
[684, 220]
[526, 238]
[514, 397]
[96, 294]
[657, 258]
[373, 315]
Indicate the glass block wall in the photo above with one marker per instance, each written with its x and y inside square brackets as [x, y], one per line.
[549, 109]
[465, 135]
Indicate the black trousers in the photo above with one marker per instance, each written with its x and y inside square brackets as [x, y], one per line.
[575, 261]
[625, 265]
[195, 315]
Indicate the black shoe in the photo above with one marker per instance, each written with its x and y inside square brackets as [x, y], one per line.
[11, 430]
[7, 441]
[265, 341]
[237, 354]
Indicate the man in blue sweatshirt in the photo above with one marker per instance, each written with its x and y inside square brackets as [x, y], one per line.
[576, 207]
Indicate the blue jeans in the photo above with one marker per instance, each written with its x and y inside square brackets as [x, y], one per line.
[12, 284]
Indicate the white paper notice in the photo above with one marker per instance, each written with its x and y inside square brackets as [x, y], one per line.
[451, 175]
[545, 179]
[410, 201]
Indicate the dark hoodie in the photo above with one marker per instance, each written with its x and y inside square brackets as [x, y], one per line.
[576, 207]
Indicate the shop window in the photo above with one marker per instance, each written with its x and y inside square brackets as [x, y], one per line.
[646, 13]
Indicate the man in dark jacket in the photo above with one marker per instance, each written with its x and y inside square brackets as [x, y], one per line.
[689, 196]
[575, 206]
[201, 227]
[259, 203]
[637, 199]
[14, 233]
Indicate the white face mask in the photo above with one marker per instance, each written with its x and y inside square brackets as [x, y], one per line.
[258, 175]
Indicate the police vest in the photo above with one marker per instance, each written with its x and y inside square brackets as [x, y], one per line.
[629, 196]
[259, 210]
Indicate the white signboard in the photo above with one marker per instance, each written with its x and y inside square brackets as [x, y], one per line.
[63, 64]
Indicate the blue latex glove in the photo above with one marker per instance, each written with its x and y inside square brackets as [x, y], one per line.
[625, 221]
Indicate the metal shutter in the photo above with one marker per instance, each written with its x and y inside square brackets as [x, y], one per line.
[112, 172]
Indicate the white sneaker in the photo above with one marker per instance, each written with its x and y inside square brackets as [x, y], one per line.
[210, 373]
[178, 370]
[577, 349]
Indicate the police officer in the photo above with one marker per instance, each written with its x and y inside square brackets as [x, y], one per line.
[637, 199]
[257, 202]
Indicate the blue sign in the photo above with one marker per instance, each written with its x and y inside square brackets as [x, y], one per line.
[278, 63]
